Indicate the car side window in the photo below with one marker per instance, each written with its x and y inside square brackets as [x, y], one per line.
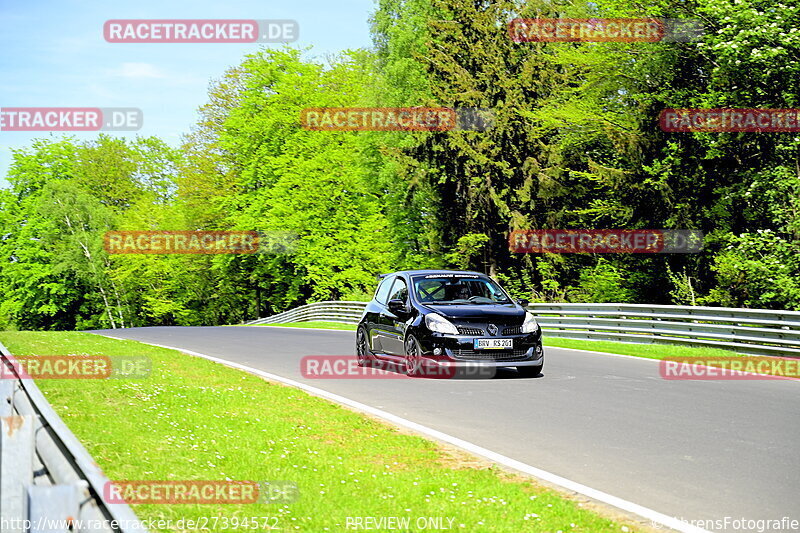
[399, 290]
[382, 294]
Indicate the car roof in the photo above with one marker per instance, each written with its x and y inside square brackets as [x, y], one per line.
[430, 272]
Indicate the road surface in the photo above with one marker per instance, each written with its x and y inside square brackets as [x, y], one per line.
[695, 450]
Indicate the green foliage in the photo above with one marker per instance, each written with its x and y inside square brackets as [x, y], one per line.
[683, 292]
[602, 283]
[467, 247]
[315, 185]
[757, 270]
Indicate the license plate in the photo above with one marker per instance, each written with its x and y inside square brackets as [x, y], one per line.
[494, 344]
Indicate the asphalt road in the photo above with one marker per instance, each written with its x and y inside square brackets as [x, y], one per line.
[695, 450]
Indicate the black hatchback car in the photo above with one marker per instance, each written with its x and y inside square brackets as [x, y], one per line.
[432, 318]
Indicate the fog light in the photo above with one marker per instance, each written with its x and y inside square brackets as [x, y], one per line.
[437, 351]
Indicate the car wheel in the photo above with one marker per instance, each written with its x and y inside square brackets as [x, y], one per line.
[413, 359]
[363, 353]
[529, 371]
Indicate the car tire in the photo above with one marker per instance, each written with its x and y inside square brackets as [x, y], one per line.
[412, 362]
[529, 371]
[363, 353]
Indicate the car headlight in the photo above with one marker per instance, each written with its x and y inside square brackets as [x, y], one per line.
[530, 325]
[440, 324]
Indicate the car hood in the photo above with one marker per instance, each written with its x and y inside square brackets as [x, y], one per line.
[506, 313]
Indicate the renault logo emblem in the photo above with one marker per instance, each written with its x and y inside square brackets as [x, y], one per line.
[492, 329]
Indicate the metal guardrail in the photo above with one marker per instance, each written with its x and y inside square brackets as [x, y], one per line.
[342, 312]
[48, 481]
[749, 331]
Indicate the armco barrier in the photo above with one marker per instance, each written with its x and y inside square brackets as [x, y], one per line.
[344, 312]
[46, 476]
[750, 331]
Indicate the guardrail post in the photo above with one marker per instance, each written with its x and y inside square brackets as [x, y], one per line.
[6, 396]
[53, 509]
[16, 470]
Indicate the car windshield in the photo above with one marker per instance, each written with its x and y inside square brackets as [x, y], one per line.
[458, 290]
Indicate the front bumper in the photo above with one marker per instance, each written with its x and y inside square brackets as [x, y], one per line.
[455, 363]
[458, 350]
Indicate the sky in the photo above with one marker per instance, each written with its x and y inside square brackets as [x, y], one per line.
[53, 54]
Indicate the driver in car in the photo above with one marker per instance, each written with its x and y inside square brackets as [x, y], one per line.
[460, 292]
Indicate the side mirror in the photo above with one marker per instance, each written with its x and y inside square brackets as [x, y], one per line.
[523, 302]
[398, 307]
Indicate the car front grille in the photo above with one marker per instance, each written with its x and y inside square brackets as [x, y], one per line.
[477, 332]
[490, 355]
[470, 331]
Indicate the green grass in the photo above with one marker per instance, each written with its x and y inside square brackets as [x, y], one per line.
[650, 351]
[194, 419]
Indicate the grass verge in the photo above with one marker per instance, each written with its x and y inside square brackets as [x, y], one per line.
[650, 351]
[192, 419]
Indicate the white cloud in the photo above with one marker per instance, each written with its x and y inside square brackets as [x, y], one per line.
[138, 71]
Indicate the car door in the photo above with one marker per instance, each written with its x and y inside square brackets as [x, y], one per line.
[376, 319]
[394, 326]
